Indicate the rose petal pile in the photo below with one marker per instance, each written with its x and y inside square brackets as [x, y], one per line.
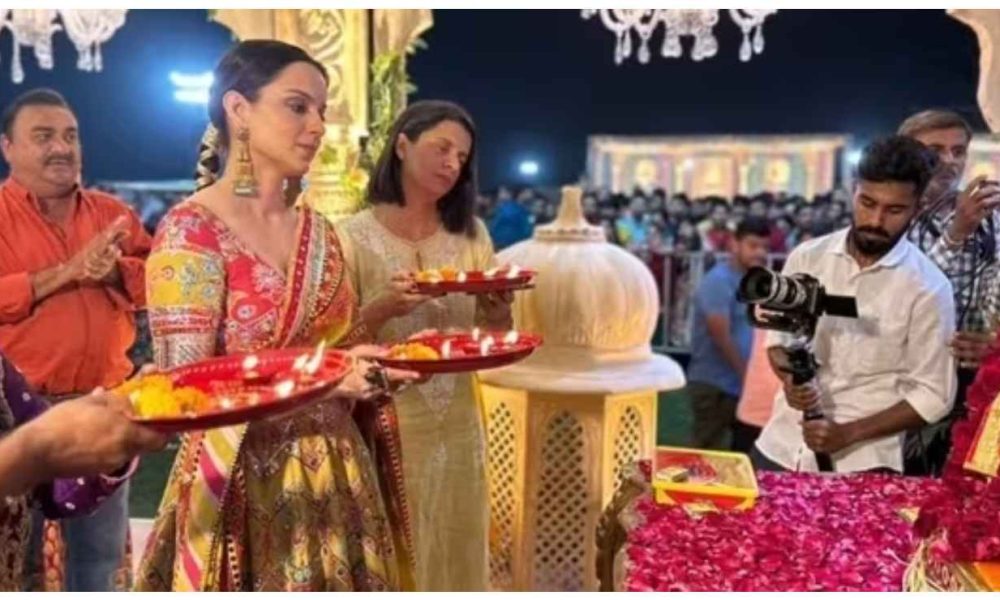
[806, 533]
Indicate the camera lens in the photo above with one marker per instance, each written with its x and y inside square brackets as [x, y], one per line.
[757, 286]
[772, 290]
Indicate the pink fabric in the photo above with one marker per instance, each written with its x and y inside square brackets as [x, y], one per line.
[760, 385]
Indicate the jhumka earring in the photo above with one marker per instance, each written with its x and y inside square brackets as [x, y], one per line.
[245, 183]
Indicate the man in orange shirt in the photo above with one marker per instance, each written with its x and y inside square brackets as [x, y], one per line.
[71, 276]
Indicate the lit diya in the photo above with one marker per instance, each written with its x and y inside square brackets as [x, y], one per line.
[235, 389]
[461, 352]
[449, 279]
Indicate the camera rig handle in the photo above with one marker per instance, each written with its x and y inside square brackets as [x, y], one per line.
[802, 367]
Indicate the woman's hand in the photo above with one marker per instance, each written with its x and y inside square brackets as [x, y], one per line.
[397, 299]
[423, 333]
[494, 310]
[369, 380]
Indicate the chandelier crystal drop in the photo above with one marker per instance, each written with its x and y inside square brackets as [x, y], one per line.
[87, 29]
[629, 23]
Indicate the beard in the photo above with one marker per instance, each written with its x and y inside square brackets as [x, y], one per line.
[945, 181]
[874, 242]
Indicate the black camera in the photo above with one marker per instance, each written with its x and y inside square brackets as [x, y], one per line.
[792, 303]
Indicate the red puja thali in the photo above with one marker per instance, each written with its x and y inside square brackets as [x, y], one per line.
[461, 352]
[446, 280]
[235, 389]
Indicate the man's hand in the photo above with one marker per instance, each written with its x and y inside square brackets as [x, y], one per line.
[970, 347]
[802, 397]
[98, 260]
[973, 205]
[102, 266]
[826, 437]
[799, 396]
[87, 436]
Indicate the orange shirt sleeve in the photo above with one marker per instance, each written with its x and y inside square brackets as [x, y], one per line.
[132, 264]
[135, 249]
[16, 297]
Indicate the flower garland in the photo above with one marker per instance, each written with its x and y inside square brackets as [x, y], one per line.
[963, 518]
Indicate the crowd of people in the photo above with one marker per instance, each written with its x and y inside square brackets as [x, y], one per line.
[677, 238]
[651, 222]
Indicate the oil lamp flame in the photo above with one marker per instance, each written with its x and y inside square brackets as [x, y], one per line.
[316, 361]
[285, 388]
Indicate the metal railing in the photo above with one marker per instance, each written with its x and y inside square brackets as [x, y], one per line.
[680, 274]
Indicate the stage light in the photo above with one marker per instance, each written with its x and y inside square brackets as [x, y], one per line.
[528, 168]
[191, 96]
[191, 88]
[854, 157]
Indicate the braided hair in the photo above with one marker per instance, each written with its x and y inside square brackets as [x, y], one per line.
[209, 159]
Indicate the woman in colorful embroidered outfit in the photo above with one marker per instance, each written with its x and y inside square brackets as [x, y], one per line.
[423, 192]
[292, 503]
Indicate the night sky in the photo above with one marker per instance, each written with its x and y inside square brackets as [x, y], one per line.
[539, 82]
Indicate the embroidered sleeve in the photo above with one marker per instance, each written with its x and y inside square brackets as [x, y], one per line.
[185, 290]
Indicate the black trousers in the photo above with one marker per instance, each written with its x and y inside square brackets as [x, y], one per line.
[744, 436]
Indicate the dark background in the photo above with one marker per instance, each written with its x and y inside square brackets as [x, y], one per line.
[538, 82]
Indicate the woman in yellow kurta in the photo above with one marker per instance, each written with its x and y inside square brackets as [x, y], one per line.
[423, 191]
[292, 503]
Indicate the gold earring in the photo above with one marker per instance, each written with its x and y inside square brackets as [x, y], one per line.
[245, 183]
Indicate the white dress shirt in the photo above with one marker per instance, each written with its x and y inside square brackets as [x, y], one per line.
[896, 350]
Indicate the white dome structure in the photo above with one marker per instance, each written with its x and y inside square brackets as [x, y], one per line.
[596, 306]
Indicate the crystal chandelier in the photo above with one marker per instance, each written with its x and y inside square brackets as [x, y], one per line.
[677, 23]
[87, 29]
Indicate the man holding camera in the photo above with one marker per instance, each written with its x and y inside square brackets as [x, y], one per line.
[889, 370]
[959, 230]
